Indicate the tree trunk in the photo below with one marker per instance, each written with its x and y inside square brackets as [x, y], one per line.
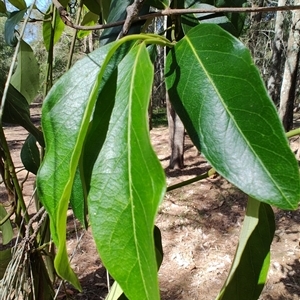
[277, 47]
[288, 86]
[176, 133]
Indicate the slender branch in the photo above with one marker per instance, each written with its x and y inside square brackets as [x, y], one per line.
[209, 173]
[168, 12]
[292, 133]
[72, 47]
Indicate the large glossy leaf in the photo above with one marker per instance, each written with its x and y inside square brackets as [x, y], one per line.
[128, 184]
[27, 83]
[10, 25]
[219, 95]
[249, 270]
[66, 114]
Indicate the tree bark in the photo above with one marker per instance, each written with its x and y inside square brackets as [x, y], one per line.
[176, 134]
[273, 84]
[288, 86]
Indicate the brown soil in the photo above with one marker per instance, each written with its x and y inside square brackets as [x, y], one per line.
[200, 227]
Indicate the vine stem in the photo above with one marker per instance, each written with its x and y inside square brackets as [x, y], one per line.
[209, 173]
[293, 133]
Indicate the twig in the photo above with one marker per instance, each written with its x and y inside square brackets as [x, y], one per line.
[168, 12]
[209, 173]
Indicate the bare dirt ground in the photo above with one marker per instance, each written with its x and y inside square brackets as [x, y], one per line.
[200, 226]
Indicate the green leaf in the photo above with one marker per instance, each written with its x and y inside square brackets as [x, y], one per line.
[236, 19]
[2, 7]
[5, 228]
[30, 154]
[94, 6]
[249, 270]
[105, 5]
[66, 114]
[118, 12]
[191, 20]
[219, 95]
[9, 29]
[5, 258]
[88, 20]
[78, 200]
[27, 83]
[20, 4]
[158, 246]
[128, 184]
[159, 4]
[16, 111]
[116, 293]
[47, 29]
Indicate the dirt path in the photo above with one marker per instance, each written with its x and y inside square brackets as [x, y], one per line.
[200, 226]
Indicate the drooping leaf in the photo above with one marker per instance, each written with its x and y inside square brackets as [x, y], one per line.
[249, 270]
[88, 20]
[118, 12]
[47, 29]
[66, 114]
[191, 20]
[27, 83]
[229, 116]
[2, 8]
[30, 154]
[128, 184]
[5, 228]
[20, 4]
[9, 29]
[16, 111]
